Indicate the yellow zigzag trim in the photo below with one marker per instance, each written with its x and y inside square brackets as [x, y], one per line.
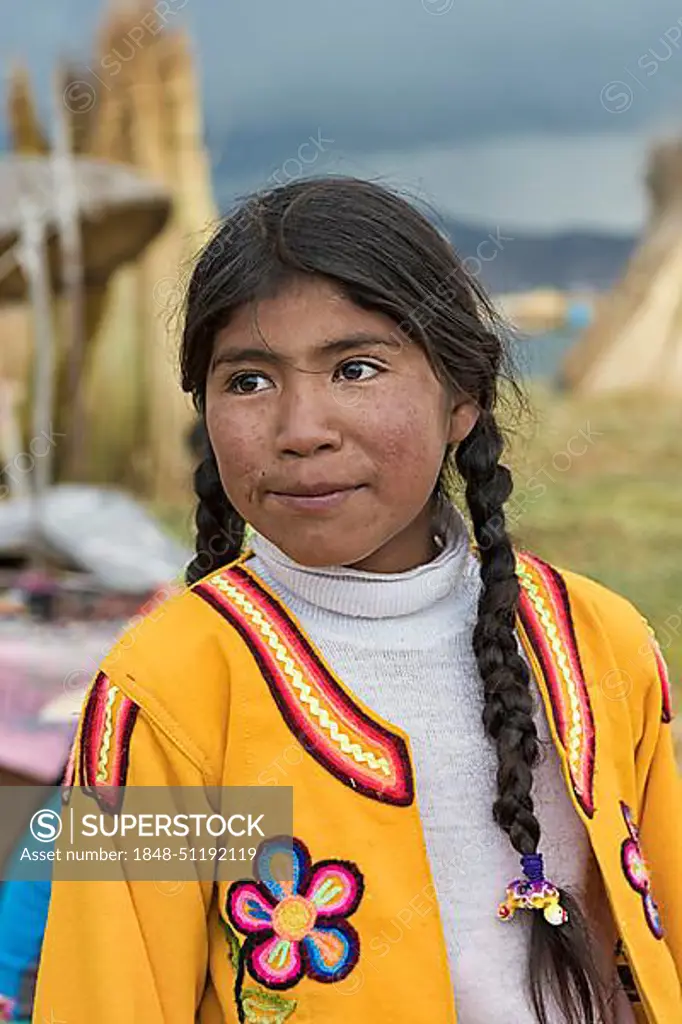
[106, 738]
[305, 693]
[575, 727]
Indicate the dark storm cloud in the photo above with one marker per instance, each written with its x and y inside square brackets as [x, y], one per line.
[389, 74]
[401, 73]
[439, 90]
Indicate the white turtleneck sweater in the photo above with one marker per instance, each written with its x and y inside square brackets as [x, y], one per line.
[402, 643]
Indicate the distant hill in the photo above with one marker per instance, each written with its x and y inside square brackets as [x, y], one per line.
[571, 260]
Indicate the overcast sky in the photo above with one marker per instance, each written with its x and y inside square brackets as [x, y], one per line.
[533, 113]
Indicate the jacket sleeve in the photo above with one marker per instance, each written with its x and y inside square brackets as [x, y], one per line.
[660, 794]
[125, 950]
[23, 913]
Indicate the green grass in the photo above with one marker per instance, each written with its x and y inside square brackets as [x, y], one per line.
[612, 510]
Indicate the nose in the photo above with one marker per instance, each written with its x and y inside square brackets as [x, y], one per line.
[307, 420]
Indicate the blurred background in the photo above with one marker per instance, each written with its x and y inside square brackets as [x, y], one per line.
[545, 140]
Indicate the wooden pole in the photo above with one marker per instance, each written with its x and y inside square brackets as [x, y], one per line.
[11, 447]
[70, 242]
[11, 393]
[33, 257]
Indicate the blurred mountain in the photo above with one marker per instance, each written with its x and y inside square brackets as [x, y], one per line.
[519, 261]
[513, 261]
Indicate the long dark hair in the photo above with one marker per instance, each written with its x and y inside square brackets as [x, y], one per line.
[384, 255]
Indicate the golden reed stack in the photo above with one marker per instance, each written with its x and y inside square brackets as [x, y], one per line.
[635, 340]
[136, 102]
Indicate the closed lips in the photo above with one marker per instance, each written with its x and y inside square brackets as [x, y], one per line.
[316, 491]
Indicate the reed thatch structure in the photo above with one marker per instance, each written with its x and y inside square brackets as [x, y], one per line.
[26, 132]
[635, 340]
[120, 213]
[136, 103]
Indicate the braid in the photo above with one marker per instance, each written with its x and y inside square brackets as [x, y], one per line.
[558, 955]
[219, 527]
[508, 712]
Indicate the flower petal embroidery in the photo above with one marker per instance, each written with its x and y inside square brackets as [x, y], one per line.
[282, 865]
[653, 916]
[294, 915]
[263, 1007]
[634, 867]
[248, 908]
[274, 962]
[335, 887]
[637, 872]
[629, 821]
[331, 951]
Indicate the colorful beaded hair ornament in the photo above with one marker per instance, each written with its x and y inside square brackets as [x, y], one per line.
[533, 892]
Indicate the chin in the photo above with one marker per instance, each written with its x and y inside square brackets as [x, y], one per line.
[321, 558]
[317, 553]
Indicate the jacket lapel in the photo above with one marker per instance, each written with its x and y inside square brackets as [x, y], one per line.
[571, 667]
[317, 708]
[547, 632]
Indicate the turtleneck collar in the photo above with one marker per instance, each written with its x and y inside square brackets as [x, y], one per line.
[361, 594]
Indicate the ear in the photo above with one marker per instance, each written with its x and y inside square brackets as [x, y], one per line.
[463, 419]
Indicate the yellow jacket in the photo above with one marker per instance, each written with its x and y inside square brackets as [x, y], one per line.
[220, 687]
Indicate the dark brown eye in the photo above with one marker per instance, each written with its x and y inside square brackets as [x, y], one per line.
[243, 383]
[353, 369]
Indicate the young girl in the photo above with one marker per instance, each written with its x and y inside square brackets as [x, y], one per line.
[482, 832]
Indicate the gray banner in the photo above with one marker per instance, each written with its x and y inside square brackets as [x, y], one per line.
[158, 834]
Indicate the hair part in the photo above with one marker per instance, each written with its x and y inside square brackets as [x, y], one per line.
[384, 255]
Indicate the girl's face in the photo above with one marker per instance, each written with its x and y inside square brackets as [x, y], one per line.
[330, 429]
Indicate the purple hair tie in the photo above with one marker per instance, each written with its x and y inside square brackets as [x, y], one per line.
[534, 892]
[533, 867]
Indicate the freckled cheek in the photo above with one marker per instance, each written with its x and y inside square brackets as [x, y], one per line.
[407, 449]
[240, 446]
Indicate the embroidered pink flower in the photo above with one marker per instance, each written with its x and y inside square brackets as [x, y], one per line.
[298, 926]
[637, 872]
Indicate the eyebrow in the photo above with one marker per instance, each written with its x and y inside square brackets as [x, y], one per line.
[332, 346]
